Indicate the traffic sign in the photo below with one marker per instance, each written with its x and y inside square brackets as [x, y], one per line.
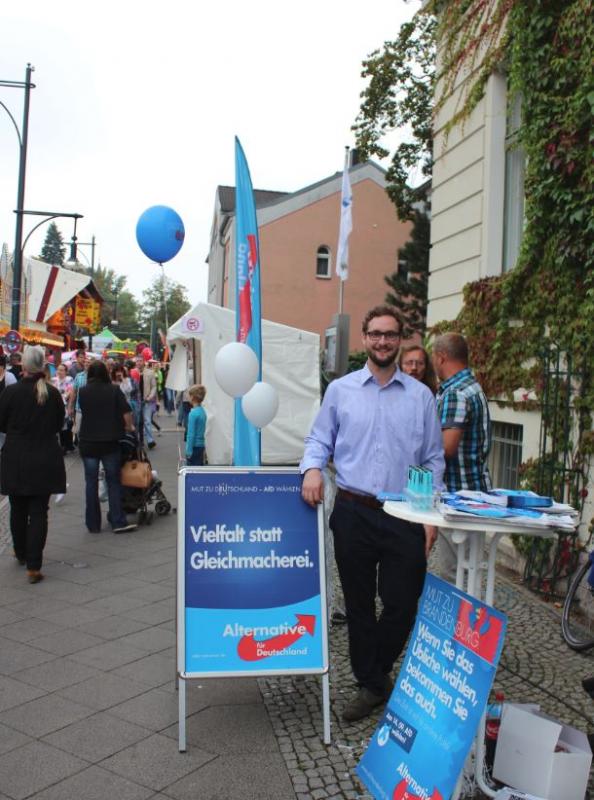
[13, 341]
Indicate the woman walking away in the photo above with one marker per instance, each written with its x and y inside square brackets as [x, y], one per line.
[105, 415]
[196, 427]
[32, 467]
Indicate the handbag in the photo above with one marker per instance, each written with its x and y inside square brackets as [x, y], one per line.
[136, 474]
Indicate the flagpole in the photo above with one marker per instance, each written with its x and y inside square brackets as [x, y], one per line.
[341, 280]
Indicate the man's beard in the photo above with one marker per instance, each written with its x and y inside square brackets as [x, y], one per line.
[386, 361]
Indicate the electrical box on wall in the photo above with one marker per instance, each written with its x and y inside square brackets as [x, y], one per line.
[336, 346]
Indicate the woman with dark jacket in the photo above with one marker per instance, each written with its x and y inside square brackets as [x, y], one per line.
[32, 466]
[105, 416]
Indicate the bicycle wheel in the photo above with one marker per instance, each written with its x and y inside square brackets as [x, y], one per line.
[577, 623]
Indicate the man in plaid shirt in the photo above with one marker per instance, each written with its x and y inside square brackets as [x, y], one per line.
[466, 430]
[464, 415]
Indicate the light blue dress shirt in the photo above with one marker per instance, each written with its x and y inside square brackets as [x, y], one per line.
[376, 432]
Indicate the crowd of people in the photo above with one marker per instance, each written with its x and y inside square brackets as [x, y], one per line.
[49, 410]
[404, 407]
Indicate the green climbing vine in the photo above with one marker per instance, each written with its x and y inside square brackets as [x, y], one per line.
[546, 302]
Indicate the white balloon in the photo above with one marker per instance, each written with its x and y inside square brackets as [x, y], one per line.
[236, 368]
[260, 404]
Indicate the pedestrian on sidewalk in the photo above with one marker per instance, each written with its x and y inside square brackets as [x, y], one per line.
[73, 403]
[375, 423]
[32, 465]
[78, 365]
[148, 400]
[63, 383]
[168, 394]
[105, 416]
[196, 427]
[6, 379]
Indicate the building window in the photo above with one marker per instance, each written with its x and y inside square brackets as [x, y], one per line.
[506, 454]
[323, 262]
[515, 167]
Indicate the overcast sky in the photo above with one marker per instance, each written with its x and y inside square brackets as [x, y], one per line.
[137, 104]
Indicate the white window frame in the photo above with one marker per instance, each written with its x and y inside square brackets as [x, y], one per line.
[506, 454]
[323, 253]
[513, 203]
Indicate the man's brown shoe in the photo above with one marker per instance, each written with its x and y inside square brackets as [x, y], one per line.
[362, 705]
[34, 576]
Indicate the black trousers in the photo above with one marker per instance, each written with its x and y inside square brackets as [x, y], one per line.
[66, 439]
[28, 525]
[377, 554]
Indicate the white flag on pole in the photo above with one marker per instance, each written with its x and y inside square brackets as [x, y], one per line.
[4, 262]
[346, 223]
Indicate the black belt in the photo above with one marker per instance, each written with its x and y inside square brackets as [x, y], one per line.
[363, 499]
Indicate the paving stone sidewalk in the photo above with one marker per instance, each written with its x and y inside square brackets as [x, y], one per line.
[88, 703]
[88, 707]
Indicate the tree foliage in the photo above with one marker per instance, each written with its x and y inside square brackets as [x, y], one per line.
[153, 303]
[53, 250]
[409, 284]
[399, 97]
[112, 288]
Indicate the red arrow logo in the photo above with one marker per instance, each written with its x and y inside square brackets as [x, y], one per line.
[402, 792]
[249, 649]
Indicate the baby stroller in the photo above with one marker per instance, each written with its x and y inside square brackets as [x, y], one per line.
[139, 500]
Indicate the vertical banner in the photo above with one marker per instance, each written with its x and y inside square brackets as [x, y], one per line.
[251, 575]
[246, 437]
[346, 223]
[427, 728]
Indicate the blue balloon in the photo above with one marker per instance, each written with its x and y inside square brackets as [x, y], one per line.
[160, 233]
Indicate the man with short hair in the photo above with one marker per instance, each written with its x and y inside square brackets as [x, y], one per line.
[466, 430]
[464, 415]
[375, 423]
[78, 365]
[15, 367]
[6, 379]
[74, 411]
[148, 400]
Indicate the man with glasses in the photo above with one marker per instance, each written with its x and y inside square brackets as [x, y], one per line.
[375, 423]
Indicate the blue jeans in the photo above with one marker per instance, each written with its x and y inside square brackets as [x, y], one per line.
[148, 409]
[111, 465]
[169, 400]
[135, 407]
[197, 457]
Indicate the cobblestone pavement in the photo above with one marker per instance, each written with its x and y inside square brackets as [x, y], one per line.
[536, 666]
[135, 612]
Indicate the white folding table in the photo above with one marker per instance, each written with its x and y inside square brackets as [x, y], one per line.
[470, 539]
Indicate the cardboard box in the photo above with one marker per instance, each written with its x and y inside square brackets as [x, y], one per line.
[514, 794]
[538, 755]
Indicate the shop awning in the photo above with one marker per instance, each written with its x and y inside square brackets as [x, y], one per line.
[51, 288]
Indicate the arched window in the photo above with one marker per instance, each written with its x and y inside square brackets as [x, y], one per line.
[323, 262]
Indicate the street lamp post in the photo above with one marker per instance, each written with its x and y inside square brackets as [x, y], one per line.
[23, 136]
[115, 307]
[74, 245]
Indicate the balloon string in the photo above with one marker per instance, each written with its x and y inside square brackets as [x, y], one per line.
[163, 286]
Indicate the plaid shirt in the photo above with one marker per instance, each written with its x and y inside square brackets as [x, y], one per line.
[79, 382]
[461, 403]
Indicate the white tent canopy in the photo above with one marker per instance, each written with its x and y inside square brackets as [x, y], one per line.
[290, 363]
[51, 288]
